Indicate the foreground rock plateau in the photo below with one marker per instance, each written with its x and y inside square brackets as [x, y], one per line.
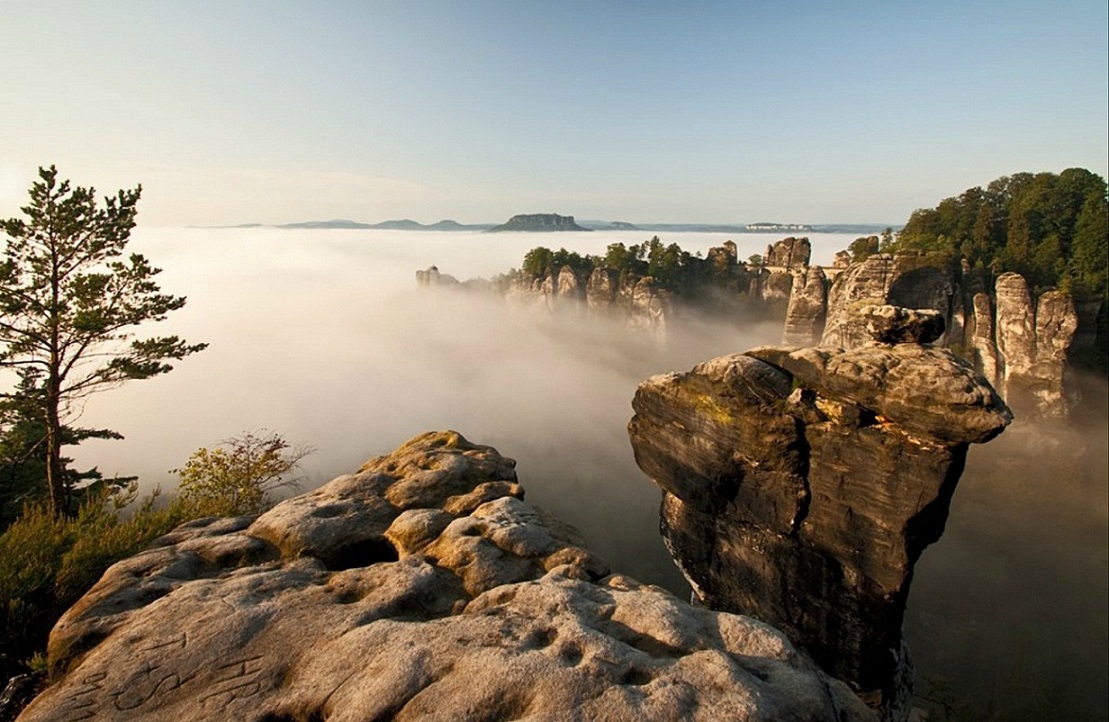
[420, 588]
[800, 485]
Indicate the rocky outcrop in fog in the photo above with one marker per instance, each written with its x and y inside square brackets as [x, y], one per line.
[723, 284]
[604, 292]
[1020, 342]
[808, 307]
[789, 253]
[420, 587]
[800, 485]
[432, 277]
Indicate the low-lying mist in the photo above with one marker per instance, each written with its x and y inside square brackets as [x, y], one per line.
[1007, 614]
[324, 337]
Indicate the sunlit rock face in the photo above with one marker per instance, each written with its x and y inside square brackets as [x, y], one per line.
[1032, 343]
[800, 486]
[419, 588]
[906, 279]
[789, 253]
[1018, 341]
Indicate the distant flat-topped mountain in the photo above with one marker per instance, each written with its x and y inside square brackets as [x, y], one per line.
[541, 222]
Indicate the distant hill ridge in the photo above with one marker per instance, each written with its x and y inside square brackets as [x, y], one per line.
[555, 222]
[404, 224]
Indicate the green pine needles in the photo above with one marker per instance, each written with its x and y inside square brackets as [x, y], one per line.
[70, 301]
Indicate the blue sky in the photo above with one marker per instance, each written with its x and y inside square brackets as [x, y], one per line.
[792, 111]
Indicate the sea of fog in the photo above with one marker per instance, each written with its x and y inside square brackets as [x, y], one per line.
[324, 337]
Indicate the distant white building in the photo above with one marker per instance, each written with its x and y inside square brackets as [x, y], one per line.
[764, 227]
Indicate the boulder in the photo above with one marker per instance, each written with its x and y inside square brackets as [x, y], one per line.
[894, 324]
[928, 392]
[859, 286]
[420, 587]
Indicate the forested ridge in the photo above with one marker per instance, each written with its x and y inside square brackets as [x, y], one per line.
[1053, 229]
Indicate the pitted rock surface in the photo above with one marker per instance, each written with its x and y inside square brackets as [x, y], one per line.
[419, 588]
[895, 324]
[929, 392]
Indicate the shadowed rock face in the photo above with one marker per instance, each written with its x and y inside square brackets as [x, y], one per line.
[419, 588]
[801, 485]
[808, 307]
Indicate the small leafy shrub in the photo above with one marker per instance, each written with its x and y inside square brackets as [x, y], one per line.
[237, 476]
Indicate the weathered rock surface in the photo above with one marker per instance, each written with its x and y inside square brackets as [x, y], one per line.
[1032, 344]
[789, 253]
[421, 587]
[895, 324]
[639, 300]
[903, 280]
[807, 309]
[1018, 342]
[801, 485]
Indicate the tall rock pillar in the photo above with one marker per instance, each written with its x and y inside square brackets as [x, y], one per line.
[800, 486]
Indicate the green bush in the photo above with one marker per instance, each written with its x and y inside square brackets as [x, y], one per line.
[237, 476]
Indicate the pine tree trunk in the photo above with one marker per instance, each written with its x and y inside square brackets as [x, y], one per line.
[55, 481]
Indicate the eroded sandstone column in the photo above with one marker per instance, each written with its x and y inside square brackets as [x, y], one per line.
[801, 485]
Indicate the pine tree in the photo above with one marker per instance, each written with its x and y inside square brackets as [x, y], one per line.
[69, 304]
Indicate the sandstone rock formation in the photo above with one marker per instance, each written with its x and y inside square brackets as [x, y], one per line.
[1032, 344]
[419, 588]
[906, 279]
[432, 277]
[639, 300]
[1018, 342]
[789, 253]
[808, 307]
[894, 324]
[800, 486]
